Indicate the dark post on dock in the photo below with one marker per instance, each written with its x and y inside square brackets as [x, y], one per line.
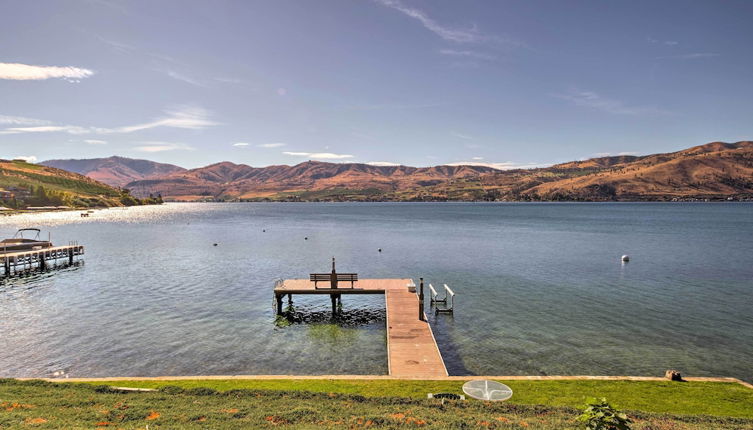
[421, 300]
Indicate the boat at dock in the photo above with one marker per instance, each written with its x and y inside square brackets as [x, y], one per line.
[25, 239]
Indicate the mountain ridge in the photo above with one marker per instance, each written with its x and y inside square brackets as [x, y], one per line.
[714, 170]
[115, 171]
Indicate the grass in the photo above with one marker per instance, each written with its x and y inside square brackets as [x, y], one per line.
[687, 398]
[39, 404]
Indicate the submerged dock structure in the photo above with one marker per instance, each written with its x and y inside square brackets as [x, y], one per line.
[412, 350]
[14, 263]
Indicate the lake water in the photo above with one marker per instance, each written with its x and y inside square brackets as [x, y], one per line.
[540, 289]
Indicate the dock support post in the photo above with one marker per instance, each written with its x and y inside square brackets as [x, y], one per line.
[42, 263]
[421, 300]
[70, 256]
[279, 297]
[7, 266]
[335, 301]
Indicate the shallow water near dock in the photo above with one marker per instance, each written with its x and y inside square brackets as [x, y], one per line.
[540, 289]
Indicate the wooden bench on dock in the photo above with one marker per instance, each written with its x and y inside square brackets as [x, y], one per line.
[334, 278]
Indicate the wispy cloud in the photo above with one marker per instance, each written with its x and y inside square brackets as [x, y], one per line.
[477, 158]
[25, 72]
[396, 106]
[467, 54]
[462, 136]
[183, 78]
[159, 146]
[593, 100]
[663, 42]
[319, 155]
[70, 129]
[614, 154]
[240, 144]
[27, 158]
[691, 56]
[95, 142]
[271, 145]
[383, 163]
[20, 120]
[469, 35]
[508, 165]
[185, 117]
[188, 117]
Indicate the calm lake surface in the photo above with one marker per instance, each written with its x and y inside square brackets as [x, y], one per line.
[540, 289]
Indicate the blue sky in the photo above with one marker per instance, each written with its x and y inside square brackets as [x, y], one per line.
[416, 82]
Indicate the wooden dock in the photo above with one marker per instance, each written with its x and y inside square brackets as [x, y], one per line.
[412, 350]
[20, 262]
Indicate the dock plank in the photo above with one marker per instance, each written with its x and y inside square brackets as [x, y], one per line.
[412, 350]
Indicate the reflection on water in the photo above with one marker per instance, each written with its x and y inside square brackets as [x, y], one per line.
[540, 289]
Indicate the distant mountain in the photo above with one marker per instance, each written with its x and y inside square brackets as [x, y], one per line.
[115, 171]
[716, 170]
[343, 180]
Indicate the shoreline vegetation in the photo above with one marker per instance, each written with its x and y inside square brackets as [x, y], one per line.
[26, 187]
[384, 404]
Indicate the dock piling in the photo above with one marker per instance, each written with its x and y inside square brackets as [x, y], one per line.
[421, 300]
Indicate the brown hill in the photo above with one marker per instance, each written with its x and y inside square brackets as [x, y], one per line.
[24, 184]
[229, 180]
[115, 171]
[716, 170]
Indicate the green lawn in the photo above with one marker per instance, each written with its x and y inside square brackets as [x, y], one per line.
[39, 404]
[687, 398]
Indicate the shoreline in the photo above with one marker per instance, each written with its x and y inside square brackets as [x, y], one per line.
[397, 378]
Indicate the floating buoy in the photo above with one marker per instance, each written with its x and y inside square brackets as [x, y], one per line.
[380, 249]
[305, 238]
[264, 230]
[215, 244]
[625, 258]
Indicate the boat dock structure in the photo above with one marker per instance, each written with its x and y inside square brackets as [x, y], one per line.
[14, 263]
[412, 350]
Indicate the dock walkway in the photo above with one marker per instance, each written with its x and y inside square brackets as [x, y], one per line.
[14, 262]
[412, 350]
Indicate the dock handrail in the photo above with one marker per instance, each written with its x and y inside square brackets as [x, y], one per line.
[448, 294]
[434, 296]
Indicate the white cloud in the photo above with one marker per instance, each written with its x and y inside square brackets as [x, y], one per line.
[692, 56]
[271, 145]
[157, 146]
[595, 101]
[186, 117]
[27, 158]
[613, 154]
[183, 78]
[462, 136]
[477, 158]
[467, 54]
[71, 129]
[95, 142]
[319, 155]
[383, 163]
[240, 144]
[508, 165]
[664, 42]
[20, 120]
[470, 35]
[24, 72]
